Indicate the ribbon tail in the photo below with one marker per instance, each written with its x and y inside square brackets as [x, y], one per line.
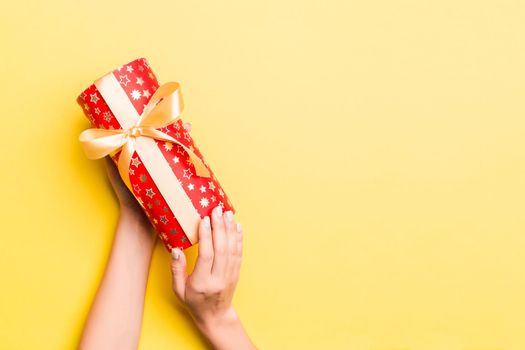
[198, 164]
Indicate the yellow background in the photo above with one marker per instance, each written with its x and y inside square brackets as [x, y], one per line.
[374, 151]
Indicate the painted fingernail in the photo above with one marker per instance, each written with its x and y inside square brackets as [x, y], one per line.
[207, 222]
[217, 211]
[239, 227]
[229, 215]
[175, 253]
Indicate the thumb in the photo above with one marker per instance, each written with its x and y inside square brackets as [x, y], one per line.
[178, 272]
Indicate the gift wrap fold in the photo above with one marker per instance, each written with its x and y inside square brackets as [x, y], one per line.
[137, 123]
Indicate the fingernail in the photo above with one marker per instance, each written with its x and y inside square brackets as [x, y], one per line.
[239, 227]
[229, 215]
[207, 222]
[175, 253]
[217, 211]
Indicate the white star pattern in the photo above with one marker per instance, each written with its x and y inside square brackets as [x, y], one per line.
[187, 173]
[204, 202]
[213, 199]
[124, 80]
[107, 116]
[94, 98]
[140, 81]
[135, 94]
[136, 188]
[211, 185]
[146, 93]
[135, 162]
[129, 69]
[176, 159]
[203, 189]
[187, 136]
[97, 110]
[221, 193]
[191, 187]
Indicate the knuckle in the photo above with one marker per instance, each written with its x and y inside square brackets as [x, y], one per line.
[217, 287]
[220, 249]
[197, 287]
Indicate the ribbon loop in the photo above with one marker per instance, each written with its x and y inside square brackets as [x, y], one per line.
[162, 109]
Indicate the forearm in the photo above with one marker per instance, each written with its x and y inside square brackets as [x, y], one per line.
[116, 315]
[225, 332]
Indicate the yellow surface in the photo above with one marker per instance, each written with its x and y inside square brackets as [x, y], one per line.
[375, 152]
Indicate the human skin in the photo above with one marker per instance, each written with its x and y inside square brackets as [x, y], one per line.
[115, 318]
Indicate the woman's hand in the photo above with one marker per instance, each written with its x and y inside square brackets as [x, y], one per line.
[208, 291]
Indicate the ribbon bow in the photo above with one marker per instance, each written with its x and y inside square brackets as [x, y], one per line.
[162, 109]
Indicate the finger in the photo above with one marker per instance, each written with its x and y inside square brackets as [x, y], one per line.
[239, 247]
[239, 236]
[220, 243]
[187, 126]
[178, 272]
[229, 225]
[204, 261]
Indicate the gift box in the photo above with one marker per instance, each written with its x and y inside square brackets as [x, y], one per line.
[136, 121]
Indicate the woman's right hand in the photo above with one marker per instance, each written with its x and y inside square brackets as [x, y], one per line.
[208, 291]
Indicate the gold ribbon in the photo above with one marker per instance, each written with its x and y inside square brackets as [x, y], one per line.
[98, 143]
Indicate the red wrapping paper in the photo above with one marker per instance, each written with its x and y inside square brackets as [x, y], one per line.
[139, 82]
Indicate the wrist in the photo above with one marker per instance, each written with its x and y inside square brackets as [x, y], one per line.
[217, 322]
[225, 331]
[134, 222]
[134, 216]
